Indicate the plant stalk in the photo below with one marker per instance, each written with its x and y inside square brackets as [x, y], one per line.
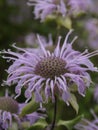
[55, 112]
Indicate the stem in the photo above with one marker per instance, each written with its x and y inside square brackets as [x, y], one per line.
[55, 111]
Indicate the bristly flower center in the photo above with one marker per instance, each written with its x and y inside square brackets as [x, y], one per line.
[8, 104]
[50, 67]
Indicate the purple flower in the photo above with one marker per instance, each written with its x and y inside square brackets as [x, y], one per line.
[32, 37]
[79, 6]
[48, 43]
[43, 8]
[85, 124]
[96, 93]
[33, 117]
[91, 26]
[47, 74]
[95, 8]
[8, 110]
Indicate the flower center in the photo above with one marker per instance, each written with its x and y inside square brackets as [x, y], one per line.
[50, 67]
[8, 104]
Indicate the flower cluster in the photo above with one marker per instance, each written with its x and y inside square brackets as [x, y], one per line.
[77, 6]
[47, 7]
[45, 74]
[43, 8]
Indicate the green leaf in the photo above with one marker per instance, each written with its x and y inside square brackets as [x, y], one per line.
[73, 102]
[71, 123]
[14, 126]
[40, 125]
[25, 125]
[66, 22]
[29, 108]
[50, 17]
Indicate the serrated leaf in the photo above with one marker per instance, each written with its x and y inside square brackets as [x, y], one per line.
[73, 102]
[41, 124]
[66, 22]
[71, 123]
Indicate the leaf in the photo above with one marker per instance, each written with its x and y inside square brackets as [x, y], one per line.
[73, 102]
[66, 22]
[14, 126]
[71, 123]
[40, 125]
[29, 108]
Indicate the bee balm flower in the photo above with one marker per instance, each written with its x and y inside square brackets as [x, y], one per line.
[46, 74]
[91, 26]
[43, 8]
[8, 109]
[78, 7]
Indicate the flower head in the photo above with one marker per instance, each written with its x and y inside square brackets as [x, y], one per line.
[46, 74]
[8, 109]
[43, 8]
[91, 27]
[77, 6]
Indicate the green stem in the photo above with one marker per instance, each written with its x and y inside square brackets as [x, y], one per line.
[55, 112]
